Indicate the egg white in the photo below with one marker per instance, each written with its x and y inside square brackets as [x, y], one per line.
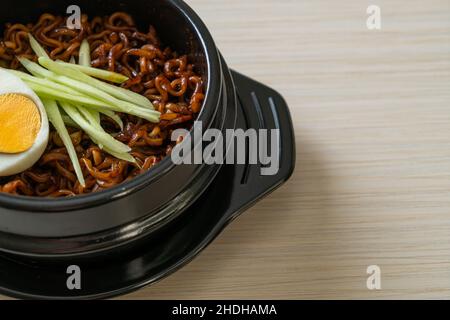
[11, 164]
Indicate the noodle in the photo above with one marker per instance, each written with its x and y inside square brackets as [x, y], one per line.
[164, 77]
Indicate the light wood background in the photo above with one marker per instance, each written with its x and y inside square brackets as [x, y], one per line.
[372, 185]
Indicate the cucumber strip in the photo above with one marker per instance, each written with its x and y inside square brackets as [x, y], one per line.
[85, 62]
[96, 115]
[79, 81]
[35, 69]
[95, 120]
[107, 100]
[53, 85]
[108, 113]
[122, 156]
[127, 95]
[59, 75]
[92, 116]
[37, 48]
[115, 91]
[46, 92]
[56, 119]
[114, 116]
[85, 54]
[102, 138]
[43, 82]
[72, 60]
[69, 122]
[97, 73]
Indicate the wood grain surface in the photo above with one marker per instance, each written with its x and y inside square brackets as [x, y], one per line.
[372, 186]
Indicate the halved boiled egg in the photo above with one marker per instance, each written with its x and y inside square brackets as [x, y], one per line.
[24, 128]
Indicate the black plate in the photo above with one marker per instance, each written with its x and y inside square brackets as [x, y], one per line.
[130, 268]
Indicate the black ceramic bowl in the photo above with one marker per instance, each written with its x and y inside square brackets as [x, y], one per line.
[151, 195]
[124, 217]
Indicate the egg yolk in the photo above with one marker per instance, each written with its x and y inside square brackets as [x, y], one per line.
[20, 122]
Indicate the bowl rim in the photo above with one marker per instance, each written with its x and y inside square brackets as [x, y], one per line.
[212, 96]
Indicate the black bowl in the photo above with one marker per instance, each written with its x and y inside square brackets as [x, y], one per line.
[150, 195]
[162, 218]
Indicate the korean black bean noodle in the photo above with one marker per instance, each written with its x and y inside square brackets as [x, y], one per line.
[166, 78]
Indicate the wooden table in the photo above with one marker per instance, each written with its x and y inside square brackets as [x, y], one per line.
[372, 185]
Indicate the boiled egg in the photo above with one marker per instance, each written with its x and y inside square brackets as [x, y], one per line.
[24, 127]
